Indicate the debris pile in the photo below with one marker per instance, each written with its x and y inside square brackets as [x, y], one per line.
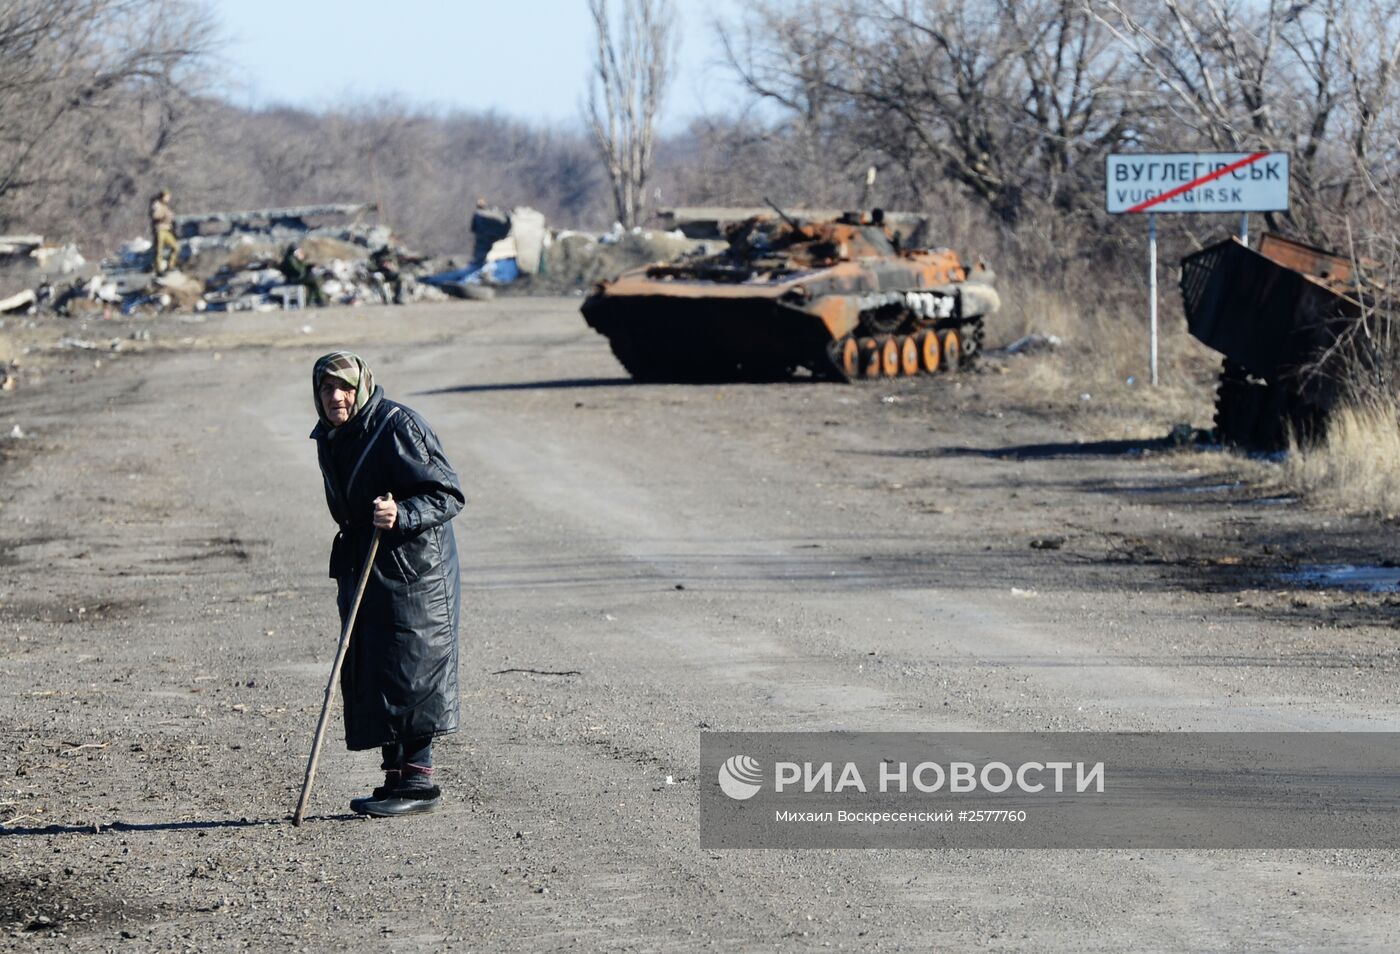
[293, 257]
[26, 264]
[259, 260]
[1033, 343]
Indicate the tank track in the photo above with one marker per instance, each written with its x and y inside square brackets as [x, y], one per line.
[660, 358]
[872, 354]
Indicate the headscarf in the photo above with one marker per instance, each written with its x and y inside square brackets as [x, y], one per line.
[348, 367]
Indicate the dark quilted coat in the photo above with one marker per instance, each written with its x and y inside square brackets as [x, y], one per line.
[400, 676]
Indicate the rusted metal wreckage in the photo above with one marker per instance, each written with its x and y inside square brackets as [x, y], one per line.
[289, 218]
[838, 298]
[1280, 314]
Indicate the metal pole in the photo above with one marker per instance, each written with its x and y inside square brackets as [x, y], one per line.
[1244, 228]
[1152, 286]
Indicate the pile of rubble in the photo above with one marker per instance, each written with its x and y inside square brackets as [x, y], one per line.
[239, 261]
[235, 261]
[26, 262]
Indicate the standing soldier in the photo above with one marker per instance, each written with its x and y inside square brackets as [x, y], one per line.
[163, 232]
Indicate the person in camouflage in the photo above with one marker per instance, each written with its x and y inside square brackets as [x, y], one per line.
[297, 270]
[389, 272]
[163, 233]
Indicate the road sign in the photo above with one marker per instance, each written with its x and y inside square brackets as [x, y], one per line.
[1198, 182]
[1242, 182]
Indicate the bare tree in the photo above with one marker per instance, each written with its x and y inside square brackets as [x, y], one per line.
[1013, 100]
[630, 74]
[788, 55]
[1313, 79]
[94, 94]
[424, 167]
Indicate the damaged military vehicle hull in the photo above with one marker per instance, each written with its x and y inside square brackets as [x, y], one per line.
[1279, 314]
[837, 299]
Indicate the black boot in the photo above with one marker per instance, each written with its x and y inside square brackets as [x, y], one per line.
[406, 801]
[415, 794]
[392, 777]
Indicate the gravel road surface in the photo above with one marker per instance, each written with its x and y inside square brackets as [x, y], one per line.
[640, 564]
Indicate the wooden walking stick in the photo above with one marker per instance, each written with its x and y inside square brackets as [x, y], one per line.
[335, 677]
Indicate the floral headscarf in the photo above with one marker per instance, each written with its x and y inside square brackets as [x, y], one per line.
[348, 367]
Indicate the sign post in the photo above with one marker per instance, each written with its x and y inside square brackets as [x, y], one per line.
[1152, 287]
[1149, 183]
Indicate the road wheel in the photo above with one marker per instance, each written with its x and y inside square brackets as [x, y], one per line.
[848, 358]
[930, 351]
[870, 358]
[908, 356]
[889, 357]
[951, 343]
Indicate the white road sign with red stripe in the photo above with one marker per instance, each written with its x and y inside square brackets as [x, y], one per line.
[1198, 182]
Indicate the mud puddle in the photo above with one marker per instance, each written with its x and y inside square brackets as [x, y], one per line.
[1346, 576]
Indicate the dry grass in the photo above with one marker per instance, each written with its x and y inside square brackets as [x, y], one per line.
[1105, 355]
[1357, 467]
[1096, 303]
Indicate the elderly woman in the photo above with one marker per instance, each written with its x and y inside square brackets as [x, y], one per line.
[384, 469]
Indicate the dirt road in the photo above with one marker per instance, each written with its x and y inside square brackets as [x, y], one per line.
[640, 563]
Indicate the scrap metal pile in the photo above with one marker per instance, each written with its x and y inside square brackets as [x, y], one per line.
[234, 261]
[226, 261]
[27, 261]
[230, 261]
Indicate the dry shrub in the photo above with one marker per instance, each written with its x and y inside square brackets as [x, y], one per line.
[1356, 467]
[1104, 353]
[1085, 282]
[1355, 464]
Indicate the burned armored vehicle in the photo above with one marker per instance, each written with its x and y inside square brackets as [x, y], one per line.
[1280, 314]
[839, 299]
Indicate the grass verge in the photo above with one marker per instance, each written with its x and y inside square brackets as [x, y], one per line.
[1356, 468]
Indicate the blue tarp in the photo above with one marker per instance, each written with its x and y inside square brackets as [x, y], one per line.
[503, 271]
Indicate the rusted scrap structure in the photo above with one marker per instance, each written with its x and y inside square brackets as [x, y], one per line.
[713, 221]
[1277, 313]
[19, 245]
[837, 298]
[291, 218]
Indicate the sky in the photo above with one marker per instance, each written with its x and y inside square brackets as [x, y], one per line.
[528, 59]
